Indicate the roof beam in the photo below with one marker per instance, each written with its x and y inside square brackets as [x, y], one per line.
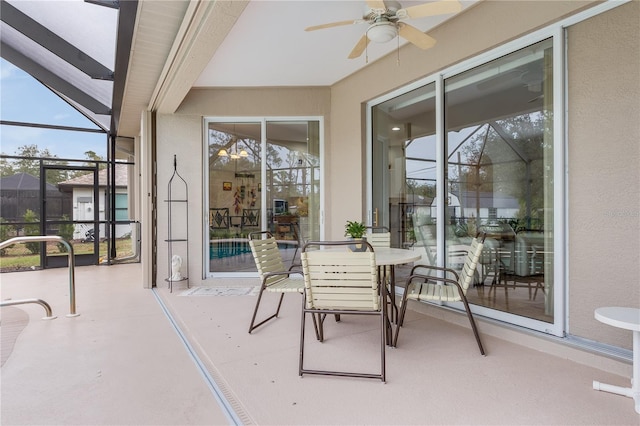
[126, 26]
[204, 28]
[53, 81]
[113, 4]
[53, 43]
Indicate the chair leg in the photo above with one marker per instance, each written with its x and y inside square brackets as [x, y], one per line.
[383, 322]
[255, 311]
[403, 310]
[301, 359]
[473, 323]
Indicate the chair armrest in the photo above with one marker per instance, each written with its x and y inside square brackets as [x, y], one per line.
[435, 268]
[445, 281]
[284, 273]
[295, 265]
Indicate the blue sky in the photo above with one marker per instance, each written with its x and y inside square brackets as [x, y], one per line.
[24, 99]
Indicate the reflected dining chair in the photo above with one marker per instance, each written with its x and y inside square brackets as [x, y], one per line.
[442, 288]
[273, 275]
[341, 283]
[380, 237]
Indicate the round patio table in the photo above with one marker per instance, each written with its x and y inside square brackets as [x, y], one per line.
[628, 319]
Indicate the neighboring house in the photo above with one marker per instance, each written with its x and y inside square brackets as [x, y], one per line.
[21, 192]
[81, 188]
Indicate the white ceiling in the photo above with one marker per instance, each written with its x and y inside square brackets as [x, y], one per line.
[269, 47]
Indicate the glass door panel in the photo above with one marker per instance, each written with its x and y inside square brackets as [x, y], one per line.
[293, 184]
[254, 186]
[499, 179]
[234, 194]
[404, 169]
[495, 169]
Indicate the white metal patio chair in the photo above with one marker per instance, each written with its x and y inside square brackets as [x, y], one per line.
[341, 283]
[430, 287]
[273, 275]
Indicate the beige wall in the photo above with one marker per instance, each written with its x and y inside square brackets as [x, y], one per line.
[604, 169]
[602, 155]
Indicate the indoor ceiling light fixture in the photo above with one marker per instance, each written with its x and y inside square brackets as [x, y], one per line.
[382, 32]
[395, 128]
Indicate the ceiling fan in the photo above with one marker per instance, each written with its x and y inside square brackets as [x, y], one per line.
[385, 22]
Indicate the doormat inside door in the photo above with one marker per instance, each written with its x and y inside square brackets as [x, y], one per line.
[220, 291]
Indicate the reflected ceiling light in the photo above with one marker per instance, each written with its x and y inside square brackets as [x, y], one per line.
[395, 128]
[233, 152]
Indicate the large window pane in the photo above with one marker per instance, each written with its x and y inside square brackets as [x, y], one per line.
[500, 178]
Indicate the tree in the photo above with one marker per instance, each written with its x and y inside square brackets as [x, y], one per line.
[6, 168]
[31, 164]
[26, 165]
[66, 231]
[6, 231]
[32, 229]
[94, 159]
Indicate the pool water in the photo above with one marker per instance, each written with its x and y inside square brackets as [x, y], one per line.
[223, 249]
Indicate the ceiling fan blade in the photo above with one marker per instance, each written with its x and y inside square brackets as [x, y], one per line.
[436, 8]
[415, 36]
[377, 5]
[334, 24]
[359, 47]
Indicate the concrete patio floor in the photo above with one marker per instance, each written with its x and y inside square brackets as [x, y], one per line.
[122, 362]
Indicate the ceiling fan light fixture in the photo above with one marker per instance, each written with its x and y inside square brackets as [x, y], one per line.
[382, 32]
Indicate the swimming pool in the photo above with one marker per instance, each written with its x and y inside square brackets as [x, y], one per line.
[220, 249]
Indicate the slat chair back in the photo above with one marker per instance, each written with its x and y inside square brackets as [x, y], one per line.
[341, 282]
[378, 236]
[273, 275]
[441, 288]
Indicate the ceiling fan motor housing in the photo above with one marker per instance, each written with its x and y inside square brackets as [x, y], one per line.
[382, 31]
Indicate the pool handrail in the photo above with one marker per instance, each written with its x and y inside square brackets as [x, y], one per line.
[72, 262]
[41, 302]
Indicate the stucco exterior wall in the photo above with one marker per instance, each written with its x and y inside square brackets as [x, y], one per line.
[604, 169]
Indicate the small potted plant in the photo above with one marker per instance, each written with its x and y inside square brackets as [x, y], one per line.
[355, 231]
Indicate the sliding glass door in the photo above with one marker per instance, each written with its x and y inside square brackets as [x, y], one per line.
[263, 175]
[473, 153]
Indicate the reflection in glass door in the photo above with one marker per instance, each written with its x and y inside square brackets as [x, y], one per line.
[404, 166]
[293, 184]
[254, 186]
[235, 182]
[500, 178]
[495, 166]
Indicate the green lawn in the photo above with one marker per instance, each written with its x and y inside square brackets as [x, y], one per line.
[17, 257]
